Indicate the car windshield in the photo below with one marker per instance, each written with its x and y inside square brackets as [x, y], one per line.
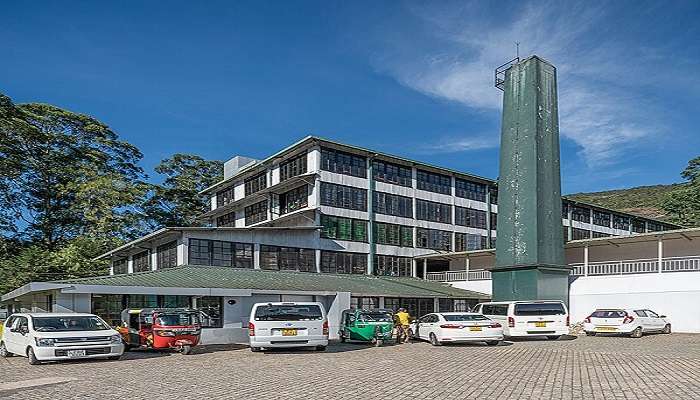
[539, 309]
[375, 317]
[67, 324]
[288, 313]
[609, 314]
[177, 319]
[464, 317]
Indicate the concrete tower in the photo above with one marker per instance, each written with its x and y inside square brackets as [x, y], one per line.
[530, 261]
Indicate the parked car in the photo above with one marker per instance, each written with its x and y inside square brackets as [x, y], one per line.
[457, 327]
[299, 324]
[370, 326]
[632, 322]
[548, 318]
[54, 337]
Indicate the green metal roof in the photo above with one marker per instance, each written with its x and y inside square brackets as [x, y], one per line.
[188, 276]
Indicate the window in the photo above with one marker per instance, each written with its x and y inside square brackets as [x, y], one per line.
[601, 218]
[224, 197]
[334, 262]
[170, 301]
[565, 210]
[341, 162]
[620, 222]
[228, 219]
[167, 255]
[343, 228]
[415, 307]
[287, 259]
[433, 182]
[109, 307]
[494, 220]
[600, 234]
[392, 204]
[578, 234]
[469, 242]
[431, 211]
[210, 310]
[120, 266]
[391, 173]
[343, 196]
[391, 234]
[651, 314]
[495, 309]
[142, 261]
[256, 183]
[493, 194]
[293, 167]
[294, 199]
[580, 214]
[392, 265]
[364, 303]
[638, 226]
[653, 226]
[220, 253]
[470, 217]
[456, 305]
[255, 213]
[433, 239]
[470, 190]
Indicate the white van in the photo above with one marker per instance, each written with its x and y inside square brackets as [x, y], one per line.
[54, 337]
[287, 324]
[528, 318]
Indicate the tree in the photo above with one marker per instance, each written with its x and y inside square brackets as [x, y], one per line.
[684, 204]
[177, 202]
[65, 175]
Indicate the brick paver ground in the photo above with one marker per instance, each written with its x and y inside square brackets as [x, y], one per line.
[653, 367]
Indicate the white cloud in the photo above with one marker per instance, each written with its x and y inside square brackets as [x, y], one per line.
[467, 43]
[460, 144]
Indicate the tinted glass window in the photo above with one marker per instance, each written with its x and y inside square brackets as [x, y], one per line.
[288, 313]
[640, 313]
[539, 309]
[464, 317]
[500, 309]
[609, 314]
[65, 324]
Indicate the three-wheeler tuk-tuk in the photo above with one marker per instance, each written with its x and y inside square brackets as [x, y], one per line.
[372, 326]
[161, 328]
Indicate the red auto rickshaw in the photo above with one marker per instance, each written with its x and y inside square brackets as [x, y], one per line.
[161, 328]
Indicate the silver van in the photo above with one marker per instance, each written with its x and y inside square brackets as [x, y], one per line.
[288, 324]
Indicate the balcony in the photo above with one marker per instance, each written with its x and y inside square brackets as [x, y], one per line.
[603, 268]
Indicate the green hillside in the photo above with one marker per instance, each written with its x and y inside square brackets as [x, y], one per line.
[643, 200]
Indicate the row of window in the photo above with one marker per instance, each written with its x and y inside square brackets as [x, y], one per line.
[435, 212]
[255, 213]
[342, 196]
[602, 218]
[392, 234]
[220, 253]
[287, 259]
[228, 219]
[110, 306]
[335, 262]
[343, 228]
[294, 199]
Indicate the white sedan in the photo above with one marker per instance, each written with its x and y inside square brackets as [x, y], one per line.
[632, 322]
[455, 327]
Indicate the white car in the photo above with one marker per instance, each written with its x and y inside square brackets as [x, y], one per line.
[298, 324]
[456, 327]
[54, 337]
[633, 322]
[548, 318]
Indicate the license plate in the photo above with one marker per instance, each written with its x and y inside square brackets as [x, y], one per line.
[289, 332]
[540, 324]
[75, 353]
[475, 328]
[605, 328]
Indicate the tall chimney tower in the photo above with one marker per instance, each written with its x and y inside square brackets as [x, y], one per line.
[530, 262]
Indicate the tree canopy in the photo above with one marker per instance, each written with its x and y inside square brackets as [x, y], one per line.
[684, 203]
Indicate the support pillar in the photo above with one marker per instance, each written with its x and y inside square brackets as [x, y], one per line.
[585, 260]
[466, 267]
[660, 251]
[425, 268]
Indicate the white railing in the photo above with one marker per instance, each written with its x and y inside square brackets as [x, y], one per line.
[599, 268]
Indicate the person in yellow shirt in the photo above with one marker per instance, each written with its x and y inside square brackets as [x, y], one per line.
[403, 321]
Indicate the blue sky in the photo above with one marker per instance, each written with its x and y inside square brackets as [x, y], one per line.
[409, 78]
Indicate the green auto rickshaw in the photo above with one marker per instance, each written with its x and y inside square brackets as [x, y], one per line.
[372, 326]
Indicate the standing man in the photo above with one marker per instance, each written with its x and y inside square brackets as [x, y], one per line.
[403, 320]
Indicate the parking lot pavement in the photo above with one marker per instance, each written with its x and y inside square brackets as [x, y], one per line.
[653, 367]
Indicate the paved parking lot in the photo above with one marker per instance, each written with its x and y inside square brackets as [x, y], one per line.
[654, 367]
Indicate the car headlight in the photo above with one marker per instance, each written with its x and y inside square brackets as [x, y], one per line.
[115, 339]
[45, 342]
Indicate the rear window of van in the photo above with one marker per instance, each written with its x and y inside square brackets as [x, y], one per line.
[539, 309]
[288, 313]
[609, 314]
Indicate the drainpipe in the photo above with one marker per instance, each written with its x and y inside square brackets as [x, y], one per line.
[370, 214]
[660, 254]
[466, 267]
[585, 260]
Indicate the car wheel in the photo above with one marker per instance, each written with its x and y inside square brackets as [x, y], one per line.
[555, 337]
[186, 349]
[3, 351]
[114, 358]
[493, 342]
[320, 348]
[32, 358]
[637, 333]
[378, 343]
[667, 329]
[255, 349]
[590, 333]
[434, 341]
[343, 339]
